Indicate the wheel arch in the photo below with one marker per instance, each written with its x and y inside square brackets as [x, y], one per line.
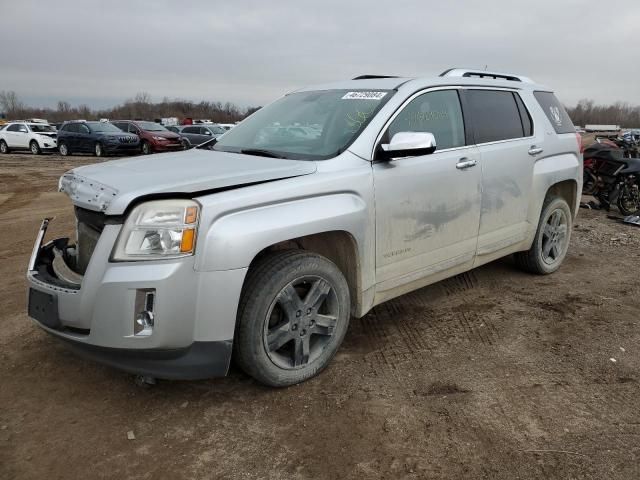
[338, 246]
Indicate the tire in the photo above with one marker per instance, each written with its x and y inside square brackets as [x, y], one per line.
[98, 150]
[146, 148]
[186, 144]
[629, 208]
[552, 239]
[4, 148]
[283, 337]
[34, 147]
[63, 149]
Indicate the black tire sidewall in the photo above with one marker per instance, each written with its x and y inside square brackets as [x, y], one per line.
[551, 206]
[253, 315]
[37, 149]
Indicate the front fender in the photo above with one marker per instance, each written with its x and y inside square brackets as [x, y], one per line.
[233, 240]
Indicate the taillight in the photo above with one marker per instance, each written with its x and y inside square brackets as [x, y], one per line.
[580, 144]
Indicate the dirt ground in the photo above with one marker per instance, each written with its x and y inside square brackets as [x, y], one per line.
[494, 374]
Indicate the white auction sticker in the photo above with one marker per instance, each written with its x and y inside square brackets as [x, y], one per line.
[364, 95]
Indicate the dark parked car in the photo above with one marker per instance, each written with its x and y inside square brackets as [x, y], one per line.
[99, 138]
[193, 135]
[153, 136]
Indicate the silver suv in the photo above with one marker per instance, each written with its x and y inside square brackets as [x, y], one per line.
[316, 208]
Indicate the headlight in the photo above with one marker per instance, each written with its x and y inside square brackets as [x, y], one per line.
[158, 230]
[155, 137]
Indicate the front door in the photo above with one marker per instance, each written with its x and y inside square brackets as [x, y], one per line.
[427, 207]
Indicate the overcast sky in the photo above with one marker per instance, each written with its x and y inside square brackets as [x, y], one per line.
[249, 52]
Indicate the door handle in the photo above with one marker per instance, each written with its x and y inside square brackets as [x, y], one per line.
[465, 163]
[533, 151]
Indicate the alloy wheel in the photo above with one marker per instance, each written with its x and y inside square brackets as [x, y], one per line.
[554, 237]
[301, 322]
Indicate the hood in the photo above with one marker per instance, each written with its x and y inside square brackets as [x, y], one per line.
[111, 186]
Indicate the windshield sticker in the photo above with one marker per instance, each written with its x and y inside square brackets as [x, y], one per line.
[364, 96]
[356, 120]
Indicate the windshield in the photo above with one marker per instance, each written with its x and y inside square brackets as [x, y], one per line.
[217, 130]
[151, 126]
[103, 127]
[306, 125]
[41, 128]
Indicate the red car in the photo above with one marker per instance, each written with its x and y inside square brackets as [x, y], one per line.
[153, 136]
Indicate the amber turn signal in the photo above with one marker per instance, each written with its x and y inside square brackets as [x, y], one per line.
[188, 237]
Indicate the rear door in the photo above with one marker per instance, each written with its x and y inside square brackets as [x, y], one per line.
[503, 132]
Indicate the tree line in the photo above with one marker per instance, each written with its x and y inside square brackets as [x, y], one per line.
[139, 107]
[587, 112]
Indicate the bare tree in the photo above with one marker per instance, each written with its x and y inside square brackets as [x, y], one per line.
[10, 102]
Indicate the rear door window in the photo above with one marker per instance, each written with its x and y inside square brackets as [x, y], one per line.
[495, 115]
[555, 112]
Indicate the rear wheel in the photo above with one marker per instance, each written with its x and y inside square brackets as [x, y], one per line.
[551, 241]
[35, 148]
[629, 200]
[4, 148]
[292, 318]
[63, 149]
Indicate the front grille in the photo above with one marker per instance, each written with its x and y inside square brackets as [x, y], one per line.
[127, 139]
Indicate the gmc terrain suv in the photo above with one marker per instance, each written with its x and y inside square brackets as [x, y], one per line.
[265, 246]
[99, 138]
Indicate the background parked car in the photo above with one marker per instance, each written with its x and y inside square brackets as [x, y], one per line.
[227, 126]
[153, 136]
[193, 135]
[36, 137]
[99, 138]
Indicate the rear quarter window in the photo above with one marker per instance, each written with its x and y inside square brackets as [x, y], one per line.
[555, 112]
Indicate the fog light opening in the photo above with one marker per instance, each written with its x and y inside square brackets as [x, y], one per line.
[143, 316]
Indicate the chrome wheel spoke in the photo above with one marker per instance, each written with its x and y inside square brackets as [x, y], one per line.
[324, 324]
[317, 294]
[290, 302]
[301, 351]
[278, 336]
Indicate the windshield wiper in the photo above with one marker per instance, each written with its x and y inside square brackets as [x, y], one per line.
[261, 153]
[208, 145]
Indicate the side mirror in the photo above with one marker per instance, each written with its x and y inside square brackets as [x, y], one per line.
[408, 144]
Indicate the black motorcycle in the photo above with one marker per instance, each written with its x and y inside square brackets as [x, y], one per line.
[612, 178]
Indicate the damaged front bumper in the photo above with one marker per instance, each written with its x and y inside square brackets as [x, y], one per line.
[98, 314]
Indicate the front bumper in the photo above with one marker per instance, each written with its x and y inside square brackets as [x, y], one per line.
[121, 147]
[194, 312]
[167, 147]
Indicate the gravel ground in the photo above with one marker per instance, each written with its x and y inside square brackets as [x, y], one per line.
[492, 374]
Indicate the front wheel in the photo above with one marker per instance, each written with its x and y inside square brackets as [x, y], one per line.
[551, 241]
[63, 149]
[293, 315]
[146, 148]
[35, 148]
[98, 149]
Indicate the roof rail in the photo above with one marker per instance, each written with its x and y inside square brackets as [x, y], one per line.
[463, 72]
[368, 77]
